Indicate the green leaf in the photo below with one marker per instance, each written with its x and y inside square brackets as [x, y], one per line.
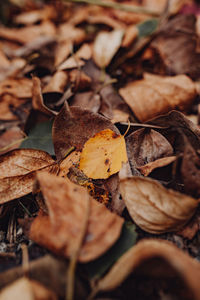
[148, 27]
[40, 137]
[127, 239]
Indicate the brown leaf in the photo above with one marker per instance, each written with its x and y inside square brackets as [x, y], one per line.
[57, 83]
[154, 208]
[87, 100]
[77, 59]
[154, 259]
[74, 126]
[105, 47]
[177, 44]
[17, 172]
[145, 146]
[155, 95]
[158, 163]
[37, 98]
[177, 127]
[20, 88]
[50, 272]
[11, 139]
[27, 34]
[67, 207]
[190, 170]
[30, 289]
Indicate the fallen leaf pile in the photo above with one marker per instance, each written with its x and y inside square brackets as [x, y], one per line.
[99, 149]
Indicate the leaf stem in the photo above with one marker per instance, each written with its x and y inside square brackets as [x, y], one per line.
[120, 6]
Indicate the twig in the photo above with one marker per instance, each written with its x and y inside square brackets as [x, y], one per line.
[124, 7]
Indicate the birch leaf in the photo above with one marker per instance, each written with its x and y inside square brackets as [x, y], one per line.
[103, 155]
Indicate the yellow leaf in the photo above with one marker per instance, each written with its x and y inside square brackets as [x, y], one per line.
[103, 155]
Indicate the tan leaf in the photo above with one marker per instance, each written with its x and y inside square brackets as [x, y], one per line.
[67, 207]
[28, 289]
[21, 88]
[106, 46]
[159, 163]
[154, 208]
[103, 155]
[154, 259]
[27, 34]
[57, 83]
[77, 60]
[155, 95]
[11, 139]
[17, 172]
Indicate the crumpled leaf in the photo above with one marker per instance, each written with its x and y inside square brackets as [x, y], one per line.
[105, 46]
[103, 155]
[73, 126]
[154, 259]
[17, 172]
[30, 289]
[67, 206]
[145, 146]
[155, 95]
[154, 208]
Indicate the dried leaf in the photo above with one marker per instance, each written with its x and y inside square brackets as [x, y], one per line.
[103, 155]
[155, 95]
[49, 271]
[158, 163]
[106, 46]
[11, 139]
[177, 44]
[190, 170]
[145, 146]
[177, 127]
[167, 261]
[30, 289]
[17, 172]
[154, 208]
[74, 126]
[37, 98]
[27, 34]
[57, 83]
[65, 220]
[20, 88]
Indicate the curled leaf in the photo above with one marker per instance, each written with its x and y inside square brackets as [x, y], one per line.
[154, 208]
[154, 259]
[103, 155]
